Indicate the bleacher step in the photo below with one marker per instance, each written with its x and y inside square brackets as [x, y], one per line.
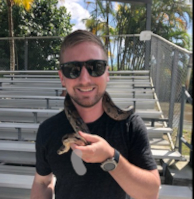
[14, 193]
[166, 154]
[175, 192]
[16, 181]
[159, 142]
[19, 170]
[29, 147]
[152, 131]
[17, 146]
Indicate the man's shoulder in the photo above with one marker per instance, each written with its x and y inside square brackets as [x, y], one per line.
[54, 120]
[134, 118]
[52, 127]
[135, 123]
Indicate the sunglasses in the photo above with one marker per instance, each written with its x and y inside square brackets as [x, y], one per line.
[73, 69]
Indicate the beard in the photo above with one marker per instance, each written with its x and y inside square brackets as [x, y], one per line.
[87, 102]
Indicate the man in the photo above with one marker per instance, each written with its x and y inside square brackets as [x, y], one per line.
[131, 169]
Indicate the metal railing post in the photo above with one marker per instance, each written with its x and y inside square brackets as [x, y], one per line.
[173, 88]
[189, 72]
[26, 54]
[180, 130]
[148, 43]
[191, 151]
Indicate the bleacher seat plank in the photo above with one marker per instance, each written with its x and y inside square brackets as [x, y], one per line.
[142, 113]
[7, 146]
[122, 102]
[153, 132]
[110, 90]
[158, 129]
[20, 170]
[166, 154]
[39, 115]
[17, 146]
[158, 132]
[36, 125]
[175, 192]
[16, 181]
[29, 110]
[30, 88]
[149, 113]
[32, 97]
[31, 76]
[19, 125]
[56, 76]
[31, 136]
[8, 134]
[17, 157]
[14, 193]
[29, 72]
[15, 88]
[143, 72]
[23, 114]
[158, 142]
[48, 92]
[121, 72]
[116, 99]
[120, 84]
[47, 98]
[17, 152]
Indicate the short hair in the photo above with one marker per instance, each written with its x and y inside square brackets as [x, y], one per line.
[78, 37]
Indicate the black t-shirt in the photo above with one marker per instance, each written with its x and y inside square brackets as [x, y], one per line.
[129, 137]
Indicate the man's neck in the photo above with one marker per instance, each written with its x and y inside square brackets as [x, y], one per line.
[90, 114]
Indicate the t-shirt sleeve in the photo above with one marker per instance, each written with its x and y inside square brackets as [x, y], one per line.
[139, 147]
[42, 165]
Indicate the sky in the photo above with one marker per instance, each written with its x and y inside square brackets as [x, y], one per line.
[78, 11]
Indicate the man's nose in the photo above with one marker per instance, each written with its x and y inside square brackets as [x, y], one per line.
[84, 75]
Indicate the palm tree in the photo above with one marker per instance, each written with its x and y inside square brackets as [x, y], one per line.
[99, 22]
[10, 3]
[169, 20]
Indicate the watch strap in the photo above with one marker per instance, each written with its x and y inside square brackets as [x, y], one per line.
[116, 156]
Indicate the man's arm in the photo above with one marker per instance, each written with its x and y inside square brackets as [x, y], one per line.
[136, 182]
[43, 187]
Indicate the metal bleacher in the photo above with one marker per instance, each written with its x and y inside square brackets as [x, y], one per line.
[27, 99]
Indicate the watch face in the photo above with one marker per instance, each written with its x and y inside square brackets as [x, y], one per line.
[109, 166]
[111, 163]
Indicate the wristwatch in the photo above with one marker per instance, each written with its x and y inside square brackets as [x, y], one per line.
[111, 163]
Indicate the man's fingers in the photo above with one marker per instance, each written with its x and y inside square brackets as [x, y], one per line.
[89, 137]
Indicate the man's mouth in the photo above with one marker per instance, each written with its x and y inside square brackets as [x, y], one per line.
[86, 89]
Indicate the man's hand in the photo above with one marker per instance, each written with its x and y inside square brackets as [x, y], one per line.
[98, 151]
[141, 181]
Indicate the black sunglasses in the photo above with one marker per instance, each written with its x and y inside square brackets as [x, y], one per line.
[73, 69]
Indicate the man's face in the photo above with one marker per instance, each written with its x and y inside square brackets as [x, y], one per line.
[85, 90]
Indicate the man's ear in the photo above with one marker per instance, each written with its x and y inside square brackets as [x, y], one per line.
[61, 78]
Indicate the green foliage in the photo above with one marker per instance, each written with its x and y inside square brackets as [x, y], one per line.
[44, 19]
[169, 19]
[131, 19]
[99, 23]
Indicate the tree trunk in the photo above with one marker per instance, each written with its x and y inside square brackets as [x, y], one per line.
[123, 61]
[11, 35]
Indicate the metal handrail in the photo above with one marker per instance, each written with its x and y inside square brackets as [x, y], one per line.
[185, 96]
